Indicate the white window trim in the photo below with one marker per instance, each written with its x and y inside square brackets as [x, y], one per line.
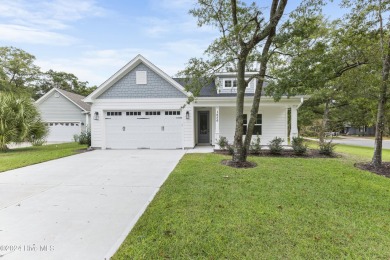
[247, 121]
[229, 79]
[235, 79]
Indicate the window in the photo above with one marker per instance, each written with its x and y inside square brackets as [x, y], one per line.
[230, 83]
[258, 124]
[114, 113]
[141, 78]
[133, 113]
[172, 113]
[152, 113]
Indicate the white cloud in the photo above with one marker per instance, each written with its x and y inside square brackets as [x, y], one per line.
[96, 66]
[154, 27]
[18, 33]
[174, 5]
[46, 19]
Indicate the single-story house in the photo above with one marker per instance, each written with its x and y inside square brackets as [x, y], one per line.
[140, 106]
[64, 113]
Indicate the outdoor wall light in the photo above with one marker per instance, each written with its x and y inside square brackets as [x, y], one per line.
[96, 116]
[188, 115]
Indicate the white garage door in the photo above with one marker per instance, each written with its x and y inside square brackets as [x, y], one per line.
[63, 131]
[161, 129]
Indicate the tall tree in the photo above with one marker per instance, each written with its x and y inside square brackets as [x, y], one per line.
[62, 80]
[243, 29]
[17, 70]
[378, 9]
[314, 61]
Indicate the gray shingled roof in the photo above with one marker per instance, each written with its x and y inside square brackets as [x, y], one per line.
[76, 98]
[210, 90]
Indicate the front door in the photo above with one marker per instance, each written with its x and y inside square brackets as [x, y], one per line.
[204, 127]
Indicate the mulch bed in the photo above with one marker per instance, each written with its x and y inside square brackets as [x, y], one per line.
[266, 153]
[238, 164]
[383, 170]
[312, 153]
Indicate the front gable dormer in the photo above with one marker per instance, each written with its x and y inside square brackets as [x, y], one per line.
[226, 83]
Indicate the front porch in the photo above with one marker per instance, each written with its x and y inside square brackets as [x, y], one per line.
[213, 121]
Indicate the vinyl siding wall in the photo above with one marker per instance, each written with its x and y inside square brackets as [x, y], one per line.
[60, 109]
[274, 123]
[156, 87]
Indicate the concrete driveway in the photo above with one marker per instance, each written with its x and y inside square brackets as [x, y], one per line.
[78, 207]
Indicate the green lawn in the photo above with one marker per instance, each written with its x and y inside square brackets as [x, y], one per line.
[286, 208]
[20, 157]
[356, 153]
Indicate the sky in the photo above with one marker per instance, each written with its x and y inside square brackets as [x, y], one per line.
[93, 38]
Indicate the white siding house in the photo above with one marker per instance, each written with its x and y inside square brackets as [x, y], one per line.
[64, 113]
[140, 107]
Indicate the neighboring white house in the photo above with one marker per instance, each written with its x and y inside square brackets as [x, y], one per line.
[65, 113]
[140, 106]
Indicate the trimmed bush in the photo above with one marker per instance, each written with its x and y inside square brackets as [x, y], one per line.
[275, 146]
[85, 138]
[326, 148]
[223, 142]
[255, 146]
[298, 145]
[230, 149]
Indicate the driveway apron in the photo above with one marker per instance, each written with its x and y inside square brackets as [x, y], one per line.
[78, 207]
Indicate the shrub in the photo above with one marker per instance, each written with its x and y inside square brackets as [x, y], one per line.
[255, 146]
[85, 138]
[326, 148]
[223, 143]
[37, 133]
[76, 138]
[298, 145]
[38, 142]
[230, 149]
[275, 145]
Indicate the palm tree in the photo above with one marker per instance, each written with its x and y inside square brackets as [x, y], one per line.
[19, 120]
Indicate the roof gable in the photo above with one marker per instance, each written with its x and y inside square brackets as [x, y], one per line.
[155, 86]
[125, 71]
[76, 99]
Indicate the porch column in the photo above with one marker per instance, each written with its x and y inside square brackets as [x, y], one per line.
[87, 126]
[216, 127]
[294, 122]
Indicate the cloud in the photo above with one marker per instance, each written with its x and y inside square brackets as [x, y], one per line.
[96, 66]
[18, 33]
[46, 19]
[154, 27]
[174, 5]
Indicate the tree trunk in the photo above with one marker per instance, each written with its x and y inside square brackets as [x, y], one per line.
[382, 101]
[239, 153]
[380, 119]
[259, 89]
[325, 119]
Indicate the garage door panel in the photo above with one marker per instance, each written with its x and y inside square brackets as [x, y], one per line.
[144, 131]
[63, 131]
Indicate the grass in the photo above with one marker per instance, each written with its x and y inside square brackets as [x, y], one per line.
[355, 153]
[286, 208]
[21, 157]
